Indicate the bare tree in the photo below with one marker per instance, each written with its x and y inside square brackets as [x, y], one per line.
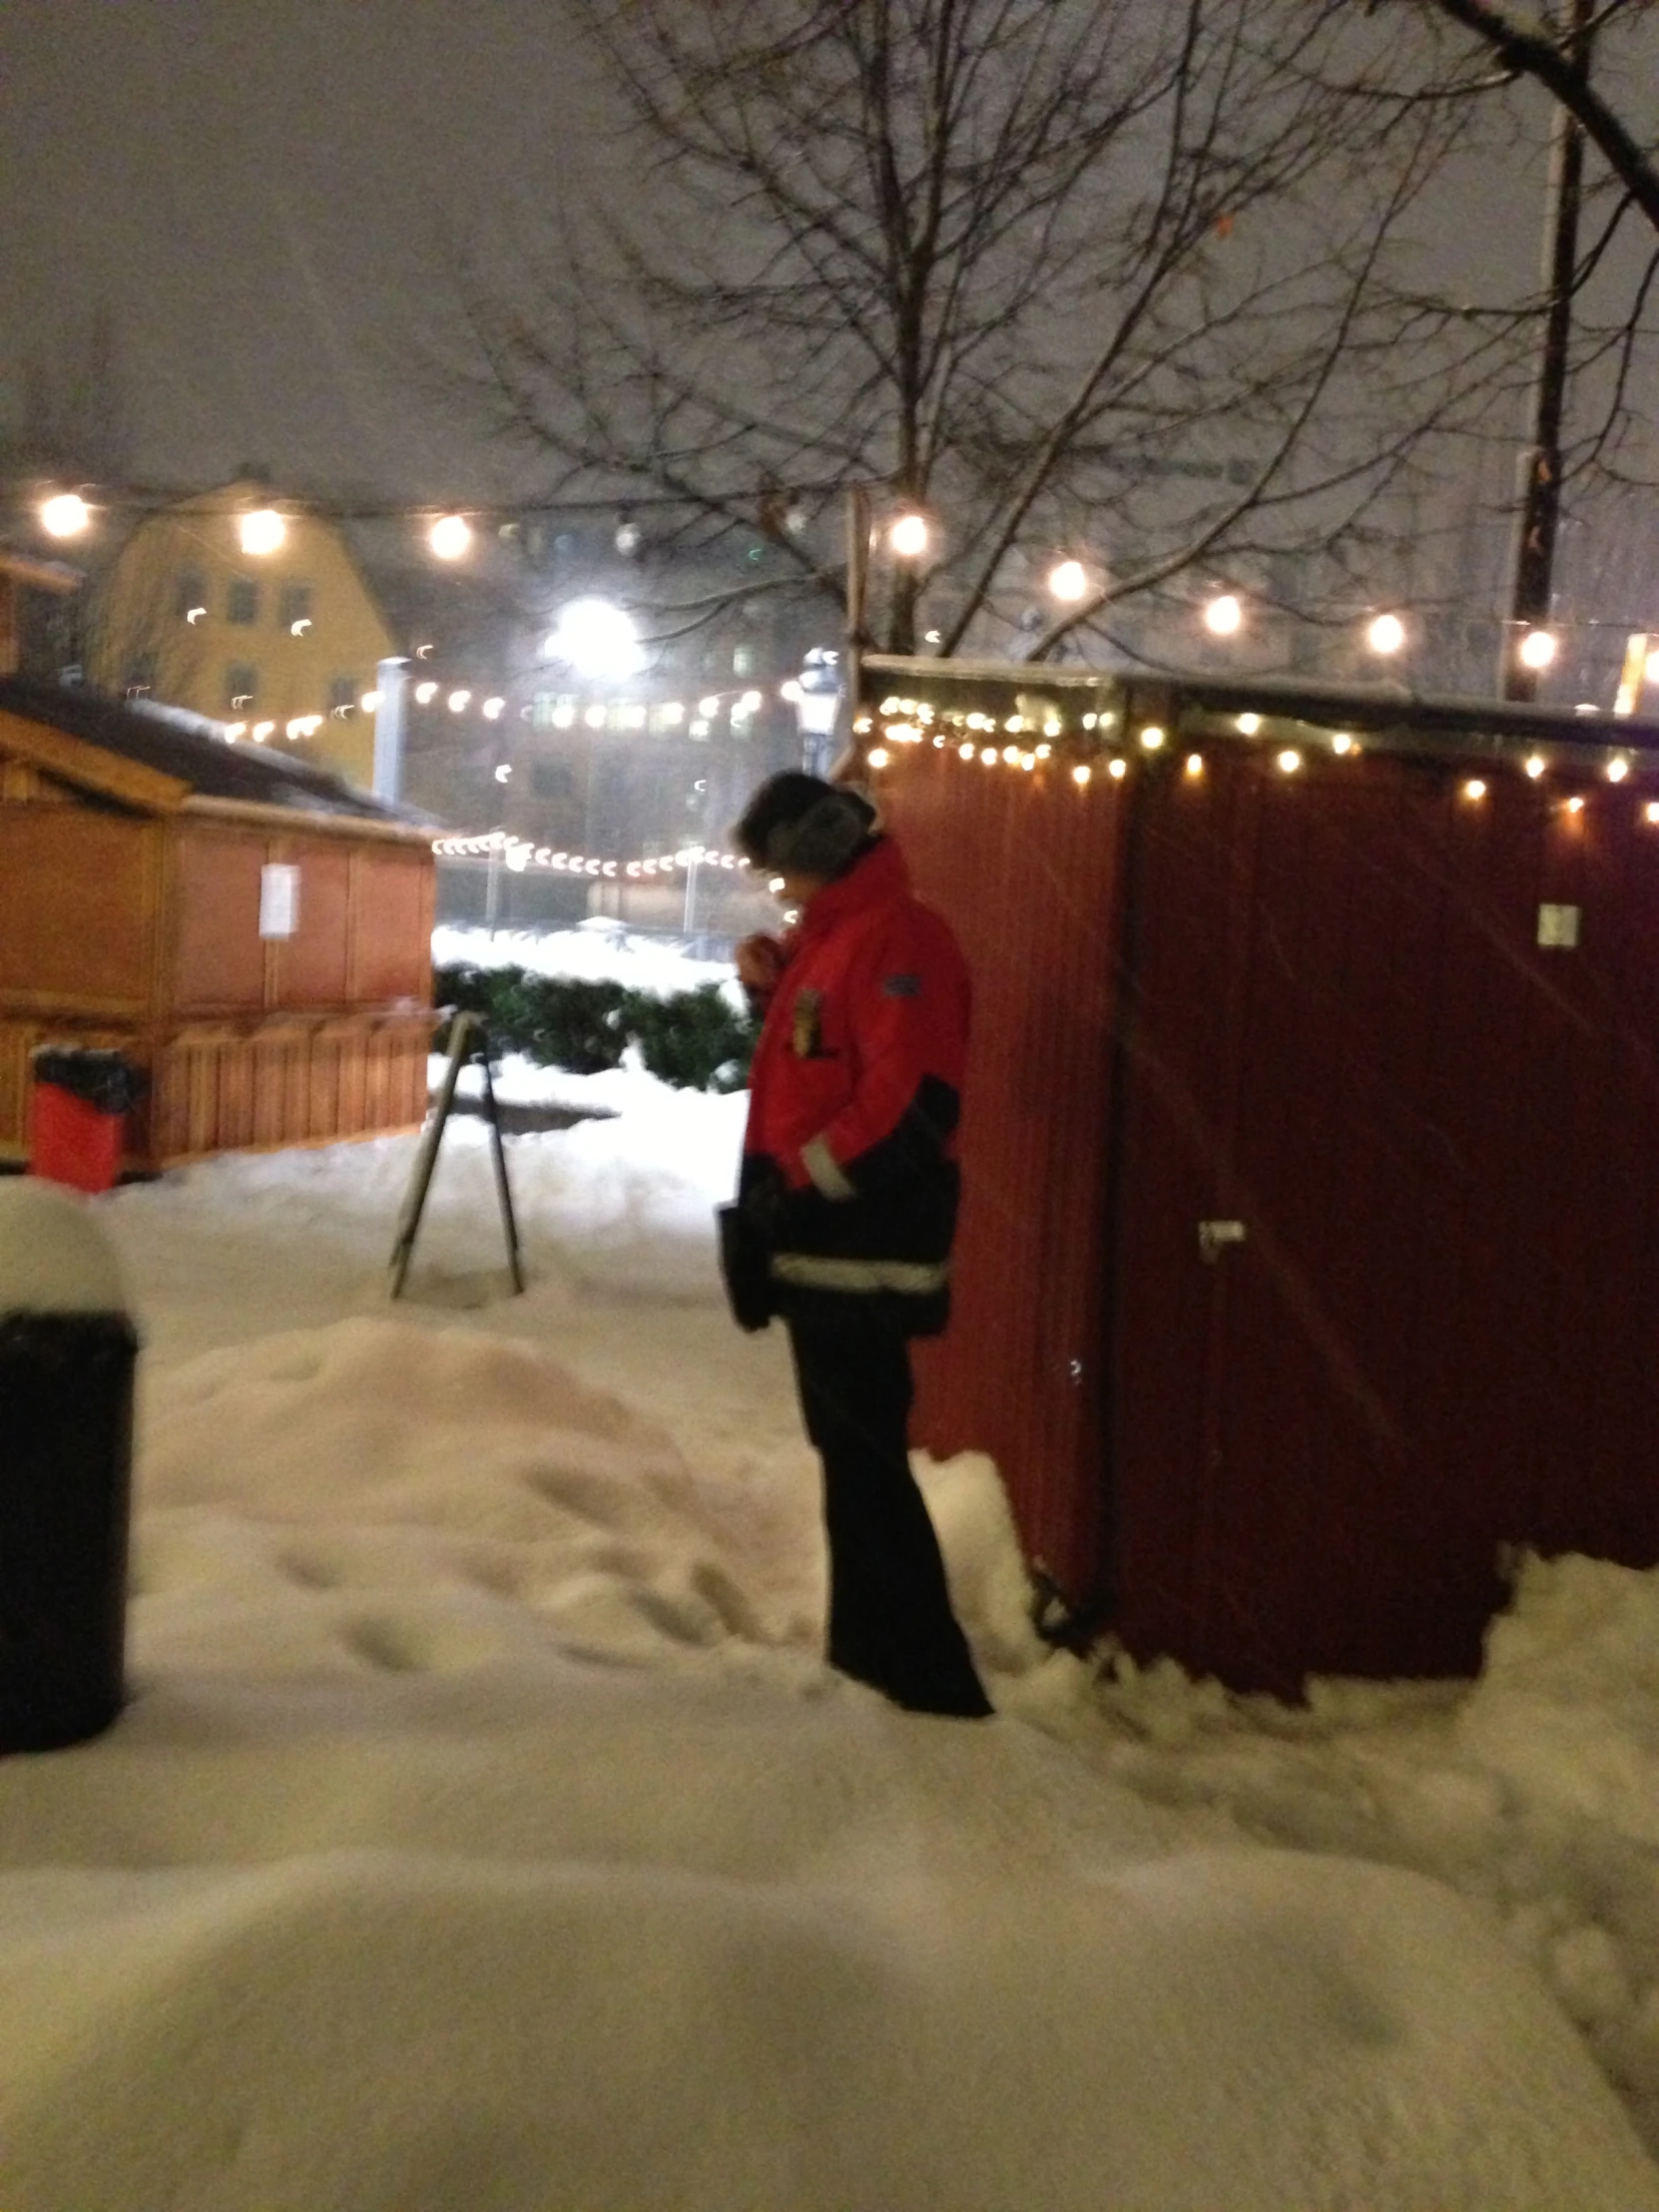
[1084, 277]
[1561, 56]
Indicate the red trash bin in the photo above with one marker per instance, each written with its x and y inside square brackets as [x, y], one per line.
[81, 1104]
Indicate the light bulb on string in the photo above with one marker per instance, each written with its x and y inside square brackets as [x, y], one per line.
[1535, 766]
[450, 537]
[1068, 581]
[1619, 768]
[908, 536]
[1536, 649]
[1224, 615]
[65, 515]
[1386, 634]
[263, 530]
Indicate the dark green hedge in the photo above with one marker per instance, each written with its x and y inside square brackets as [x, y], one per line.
[694, 1038]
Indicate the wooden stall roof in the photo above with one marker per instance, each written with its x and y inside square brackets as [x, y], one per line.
[157, 761]
[39, 575]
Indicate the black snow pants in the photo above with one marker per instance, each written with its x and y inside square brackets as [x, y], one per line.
[891, 1621]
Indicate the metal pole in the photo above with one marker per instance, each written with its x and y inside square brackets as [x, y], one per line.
[391, 679]
[1538, 518]
[690, 919]
[492, 891]
[848, 766]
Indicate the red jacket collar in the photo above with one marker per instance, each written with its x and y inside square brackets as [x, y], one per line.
[879, 874]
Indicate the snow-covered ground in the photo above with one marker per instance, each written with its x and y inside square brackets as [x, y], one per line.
[485, 1833]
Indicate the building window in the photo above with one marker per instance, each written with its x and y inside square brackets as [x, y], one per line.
[294, 605]
[190, 593]
[241, 686]
[242, 600]
[343, 691]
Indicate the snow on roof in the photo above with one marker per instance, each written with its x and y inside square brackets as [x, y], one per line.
[191, 748]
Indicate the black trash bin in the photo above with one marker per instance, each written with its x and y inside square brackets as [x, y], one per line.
[68, 1352]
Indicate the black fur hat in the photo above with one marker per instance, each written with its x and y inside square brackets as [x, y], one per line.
[803, 825]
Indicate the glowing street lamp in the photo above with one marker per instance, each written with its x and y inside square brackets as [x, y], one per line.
[597, 640]
[1386, 634]
[450, 537]
[263, 530]
[65, 515]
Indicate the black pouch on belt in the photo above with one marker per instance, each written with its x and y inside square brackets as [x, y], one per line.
[745, 1258]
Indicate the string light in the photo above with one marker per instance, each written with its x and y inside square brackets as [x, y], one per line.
[1476, 788]
[1535, 765]
[1386, 634]
[1619, 768]
[425, 691]
[1575, 804]
[877, 755]
[1224, 615]
[1152, 737]
[65, 515]
[1080, 774]
[1194, 763]
[1342, 741]
[260, 531]
[1290, 760]
[1068, 581]
[1536, 649]
[908, 536]
[1117, 770]
[450, 537]
[1248, 725]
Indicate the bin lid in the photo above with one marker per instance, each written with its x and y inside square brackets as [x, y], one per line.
[55, 1254]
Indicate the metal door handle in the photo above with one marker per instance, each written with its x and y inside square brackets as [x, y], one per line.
[1215, 1236]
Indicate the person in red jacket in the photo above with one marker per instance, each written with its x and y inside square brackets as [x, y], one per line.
[847, 1208]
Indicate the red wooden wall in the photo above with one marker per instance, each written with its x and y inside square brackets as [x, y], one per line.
[1028, 874]
[1334, 1024]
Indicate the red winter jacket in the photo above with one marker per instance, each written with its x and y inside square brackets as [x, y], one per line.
[849, 1161]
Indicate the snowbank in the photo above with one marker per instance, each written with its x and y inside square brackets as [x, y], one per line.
[599, 950]
[486, 1831]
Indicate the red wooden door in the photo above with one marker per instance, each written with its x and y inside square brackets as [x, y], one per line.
[1433, 1142]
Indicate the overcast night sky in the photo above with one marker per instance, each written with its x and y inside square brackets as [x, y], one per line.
[263, 192]
[259, 190]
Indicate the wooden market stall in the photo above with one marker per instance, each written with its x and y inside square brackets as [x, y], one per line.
[1310, 1253]
[253, 933]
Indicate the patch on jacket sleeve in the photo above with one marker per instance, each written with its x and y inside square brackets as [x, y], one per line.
[901, 987]
[806, 1025]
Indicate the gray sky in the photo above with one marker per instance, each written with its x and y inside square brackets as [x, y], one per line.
[261, 190]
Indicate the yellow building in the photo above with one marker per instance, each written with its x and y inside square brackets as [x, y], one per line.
[257, 615]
